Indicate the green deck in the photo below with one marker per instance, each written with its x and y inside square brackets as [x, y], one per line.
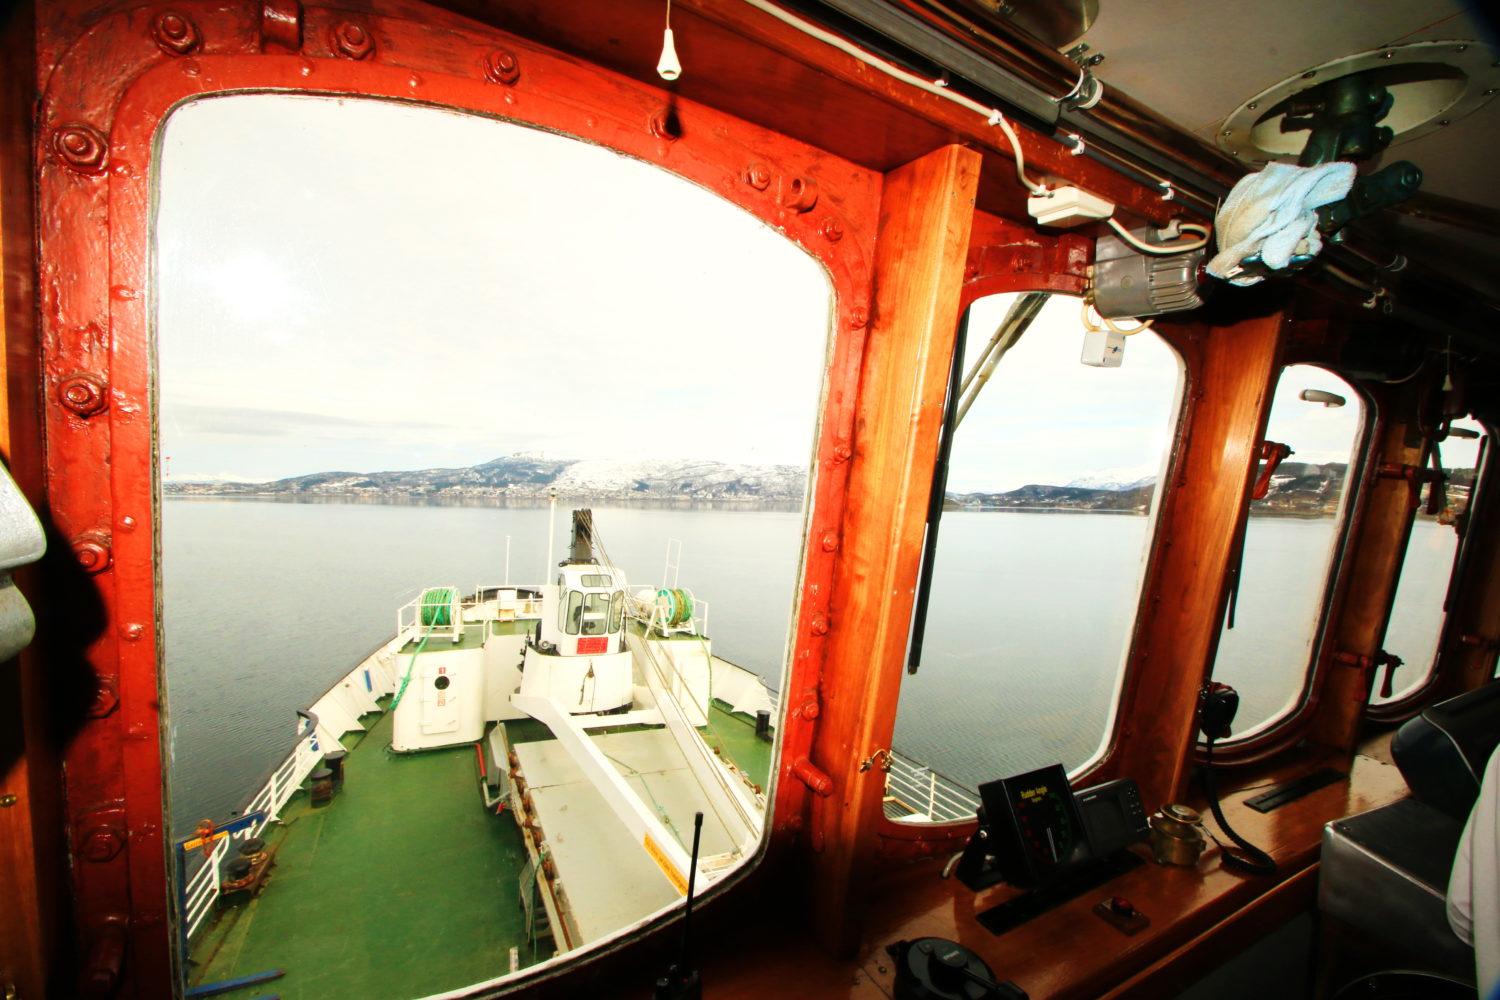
[473, 637]
[734, 736]
[403, 886]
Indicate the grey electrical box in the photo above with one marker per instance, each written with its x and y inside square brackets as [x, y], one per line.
[1131, 284]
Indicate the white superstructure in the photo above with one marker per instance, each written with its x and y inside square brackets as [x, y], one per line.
[623, 684]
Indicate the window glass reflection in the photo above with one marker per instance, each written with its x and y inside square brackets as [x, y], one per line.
[384, 333]
[1036, 580]
[1288, 544]
[1420, 605]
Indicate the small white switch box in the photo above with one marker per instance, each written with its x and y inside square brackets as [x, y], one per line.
[1068, 206]
[1103, 348]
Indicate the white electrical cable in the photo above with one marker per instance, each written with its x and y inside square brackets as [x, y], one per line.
[1164, 248]
[1039, 190]
[1092, 327]
[991, 115]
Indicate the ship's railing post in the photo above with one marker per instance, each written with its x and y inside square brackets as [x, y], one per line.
[273, 809]
[912, 783]
[202, 888]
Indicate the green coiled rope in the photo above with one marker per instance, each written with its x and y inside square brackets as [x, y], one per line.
[437, 612]
[678, 607]
[437, 607]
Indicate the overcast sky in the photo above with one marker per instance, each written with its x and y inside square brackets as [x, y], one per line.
[368, 286]
[1046, 418]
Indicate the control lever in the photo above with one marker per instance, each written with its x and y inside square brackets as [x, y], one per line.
[1390, 661]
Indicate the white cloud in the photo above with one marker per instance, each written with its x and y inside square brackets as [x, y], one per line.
[431, 288]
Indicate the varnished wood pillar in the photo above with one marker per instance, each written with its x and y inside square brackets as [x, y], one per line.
[1229, 386]
[1377, 547]
[926, 213]
[32, 872]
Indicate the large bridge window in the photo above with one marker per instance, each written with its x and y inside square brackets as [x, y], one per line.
[1285, 554]
[1051, 487]
[1421, 601]
[384, 333]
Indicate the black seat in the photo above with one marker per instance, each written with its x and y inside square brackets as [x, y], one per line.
[1385, 872]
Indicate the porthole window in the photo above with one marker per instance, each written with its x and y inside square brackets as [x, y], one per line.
[1051, 490]
[409, 301]
[1421, 602]
[1285, 554]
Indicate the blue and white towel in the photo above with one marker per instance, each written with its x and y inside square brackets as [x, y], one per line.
[1272, 216]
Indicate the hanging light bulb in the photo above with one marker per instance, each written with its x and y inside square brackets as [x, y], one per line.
[667, 67]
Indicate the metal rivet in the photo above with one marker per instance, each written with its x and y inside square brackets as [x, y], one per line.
[133, 631]
[1387, 55]
[81, 147]
[832, 230]
[106, 698]
[819, 625]
[101, 844]
[1309, 74]
[842, 453]
[93, 552]
[859, 317]
[1253, 105]
[1445, 121]
[1489, 92]
[830, 541]
[1227, 131]
[352, 40]
[758, 176]
[84, 394]
[6, 801]
[502, 66]
[174, 33]
[1460, 48]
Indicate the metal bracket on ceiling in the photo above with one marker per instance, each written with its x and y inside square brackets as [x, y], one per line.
[1080, 55]
[1086, 93]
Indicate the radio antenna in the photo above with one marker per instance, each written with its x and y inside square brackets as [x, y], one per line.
[681, 981]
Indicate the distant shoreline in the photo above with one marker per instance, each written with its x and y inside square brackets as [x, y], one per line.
[647, 503]
[514, 503]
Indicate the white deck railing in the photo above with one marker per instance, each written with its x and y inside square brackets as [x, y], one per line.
[318, 732]
[935, 798]
[202, 888]
[504, 604]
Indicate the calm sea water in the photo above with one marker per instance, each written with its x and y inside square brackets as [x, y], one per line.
[267, 604]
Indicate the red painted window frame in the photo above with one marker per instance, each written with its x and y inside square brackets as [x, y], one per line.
[108, 81]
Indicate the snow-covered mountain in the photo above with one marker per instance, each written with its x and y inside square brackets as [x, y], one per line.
[527, 476]
[678, 477]
[1115, 480]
